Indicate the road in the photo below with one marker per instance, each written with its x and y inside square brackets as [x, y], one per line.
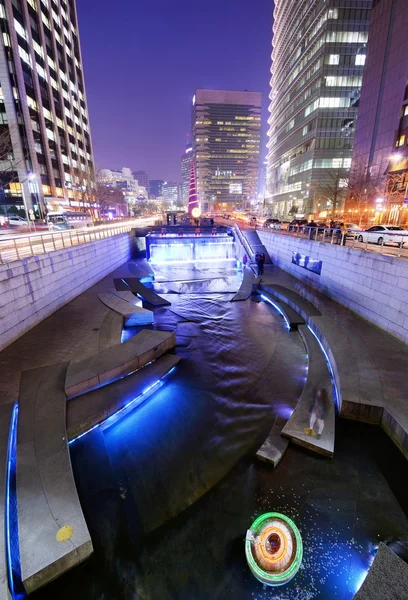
[386, 250]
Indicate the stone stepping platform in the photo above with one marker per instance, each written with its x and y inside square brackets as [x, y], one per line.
[133, 315]
[92, 409]
[386, 579]
[293, 318]
[118, 361]
[293, 299]
[6, 414]
[144, 293]
[275, 445]
[53, 535]
[297, 428]
[245, 290]
[110, 333]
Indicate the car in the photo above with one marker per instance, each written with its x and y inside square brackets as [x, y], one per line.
[16, 221]
[272, 223]
[297, 224]
[384, 234]
[352, 229]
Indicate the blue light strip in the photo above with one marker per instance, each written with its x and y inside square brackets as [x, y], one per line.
[278, 308]
[185, 262]
[10, 513]
[112, 419]
[329, 366]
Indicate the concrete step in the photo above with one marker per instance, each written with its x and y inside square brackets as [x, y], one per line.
[116, 362]
[53, 534]
[292, 317]
[145, 293]
[245, 290]
[133, 315]
[387, 578]
[297, 428]
[274, 446]
[96, 407]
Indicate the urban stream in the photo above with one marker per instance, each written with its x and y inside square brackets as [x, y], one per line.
[170, 491]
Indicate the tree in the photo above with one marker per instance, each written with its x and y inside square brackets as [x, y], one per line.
[110, 198]
[332, 189]
[362, 190]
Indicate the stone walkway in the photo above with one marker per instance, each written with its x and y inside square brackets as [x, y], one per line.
[70, 333]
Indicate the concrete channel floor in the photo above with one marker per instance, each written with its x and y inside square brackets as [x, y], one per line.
[141, 483]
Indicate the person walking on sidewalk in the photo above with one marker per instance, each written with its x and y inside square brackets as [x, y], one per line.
[245, 260]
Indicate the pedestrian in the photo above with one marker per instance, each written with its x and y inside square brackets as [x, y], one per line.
[312, 226]
[245, 260]
[258, 263]
[262, 262]
[318, 413]
[212, 222]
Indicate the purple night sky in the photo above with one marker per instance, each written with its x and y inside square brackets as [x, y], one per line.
[143, 59]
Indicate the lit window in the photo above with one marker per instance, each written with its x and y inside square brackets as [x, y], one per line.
[360, 60]
[334, 59]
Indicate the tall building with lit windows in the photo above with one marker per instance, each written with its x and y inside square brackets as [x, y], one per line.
[186, 159]
[43, 109]
[319, 51]
[226, 129]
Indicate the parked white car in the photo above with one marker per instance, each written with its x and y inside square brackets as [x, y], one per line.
[384, 234]
[16, 221]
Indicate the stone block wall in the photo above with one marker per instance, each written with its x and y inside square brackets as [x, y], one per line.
[374, 286]
[33, 288]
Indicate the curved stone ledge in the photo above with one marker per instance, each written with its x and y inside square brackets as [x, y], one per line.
[110, 332]
[245, 290]
[318, 377]
[118, 361]
[46, 491]
[87, 411]
[361, 393]
[132, 314]
[147, 294]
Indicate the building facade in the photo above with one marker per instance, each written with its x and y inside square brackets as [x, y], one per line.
[142, 178]
[125, 182]
[155, 188]
[381, 141]
[170, 191]
[319, 51]
[226, 129]
[43, 108]
[186, 159]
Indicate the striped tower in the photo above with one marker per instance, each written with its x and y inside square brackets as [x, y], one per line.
[192, 198]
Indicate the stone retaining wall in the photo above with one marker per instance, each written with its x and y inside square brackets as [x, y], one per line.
[32, 289]
[372, 285]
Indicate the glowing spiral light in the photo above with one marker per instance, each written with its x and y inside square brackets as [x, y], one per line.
[273, 549]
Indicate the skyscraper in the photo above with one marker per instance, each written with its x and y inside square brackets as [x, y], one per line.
[381, 142]
[142, 178]
[186, 159]
[155, 188]
[226, 137]
[170, 191]
[44, 117]
[318, 58]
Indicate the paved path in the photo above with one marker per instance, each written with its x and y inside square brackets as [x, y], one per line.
[70, 333]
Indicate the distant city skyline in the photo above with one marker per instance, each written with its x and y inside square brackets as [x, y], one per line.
[142, 121]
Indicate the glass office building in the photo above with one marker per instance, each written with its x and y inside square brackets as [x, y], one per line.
[43, 108]
[226, 136]
[319, 51]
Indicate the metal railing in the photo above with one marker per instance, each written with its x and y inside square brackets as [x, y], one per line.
[24, 246]
[358, 239]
